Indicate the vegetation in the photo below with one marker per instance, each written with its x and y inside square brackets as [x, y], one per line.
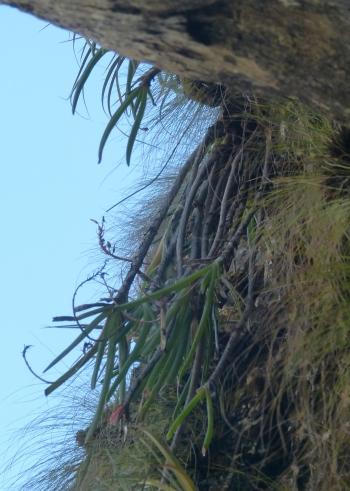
[222, 360]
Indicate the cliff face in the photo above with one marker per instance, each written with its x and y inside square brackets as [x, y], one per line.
[293, 48]
[237, 320]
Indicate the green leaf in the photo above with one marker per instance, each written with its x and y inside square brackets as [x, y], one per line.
[78, 340]
[205, 320]
[112, 76]
[163, 292]
[180, 351]
[133, 64]
[80, 83]
[137, 123]
[114, 120]
[132, 358]
[82, 65]
[80, 317]
[186, 411]
[72, 371]
[123, 351]
[181, 398]
[101, 346]
[162, 375]
[210, 426]
[113, 321]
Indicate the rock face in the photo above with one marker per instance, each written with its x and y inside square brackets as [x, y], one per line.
[293, 48]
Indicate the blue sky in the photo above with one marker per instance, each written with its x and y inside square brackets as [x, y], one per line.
[51, 186]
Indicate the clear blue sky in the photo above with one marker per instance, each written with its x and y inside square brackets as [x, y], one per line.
[51, 186]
